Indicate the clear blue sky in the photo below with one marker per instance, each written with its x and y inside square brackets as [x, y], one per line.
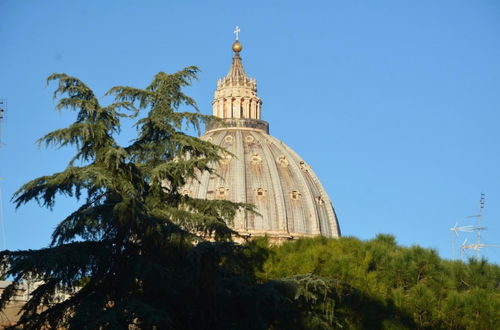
[395, 104]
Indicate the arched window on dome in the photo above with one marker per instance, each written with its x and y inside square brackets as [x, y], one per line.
[260, 192]
[233, 107]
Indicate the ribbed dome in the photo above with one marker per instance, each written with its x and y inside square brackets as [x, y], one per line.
[263, 171]
[269, 174]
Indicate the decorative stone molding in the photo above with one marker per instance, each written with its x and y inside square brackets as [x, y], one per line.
[256, 124]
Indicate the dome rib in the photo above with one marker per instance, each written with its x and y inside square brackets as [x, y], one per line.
[280, 205]
[239, 172]
[307, 192]
[303, 187]
[333, 226]
[291, 178]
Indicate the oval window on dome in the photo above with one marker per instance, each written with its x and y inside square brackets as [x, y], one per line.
[228, 139]
[249, 138]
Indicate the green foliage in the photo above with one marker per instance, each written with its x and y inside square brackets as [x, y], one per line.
[399, 287]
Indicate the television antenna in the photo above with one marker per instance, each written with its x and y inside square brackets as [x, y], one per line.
[475, 246]
[465, 229]
[456, 229]
[478, 228]
[479, 218]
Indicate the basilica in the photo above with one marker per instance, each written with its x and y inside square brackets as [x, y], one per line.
[260, 169]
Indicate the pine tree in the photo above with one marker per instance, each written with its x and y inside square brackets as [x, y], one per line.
[127, 255]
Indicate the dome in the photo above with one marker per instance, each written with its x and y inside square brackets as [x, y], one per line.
[262, 170]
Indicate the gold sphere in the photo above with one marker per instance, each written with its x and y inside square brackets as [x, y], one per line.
[237, 47]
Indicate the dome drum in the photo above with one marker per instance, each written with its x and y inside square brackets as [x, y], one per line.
[238, 123]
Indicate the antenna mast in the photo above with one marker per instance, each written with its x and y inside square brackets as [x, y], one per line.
[477, 246]
[478, 229]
